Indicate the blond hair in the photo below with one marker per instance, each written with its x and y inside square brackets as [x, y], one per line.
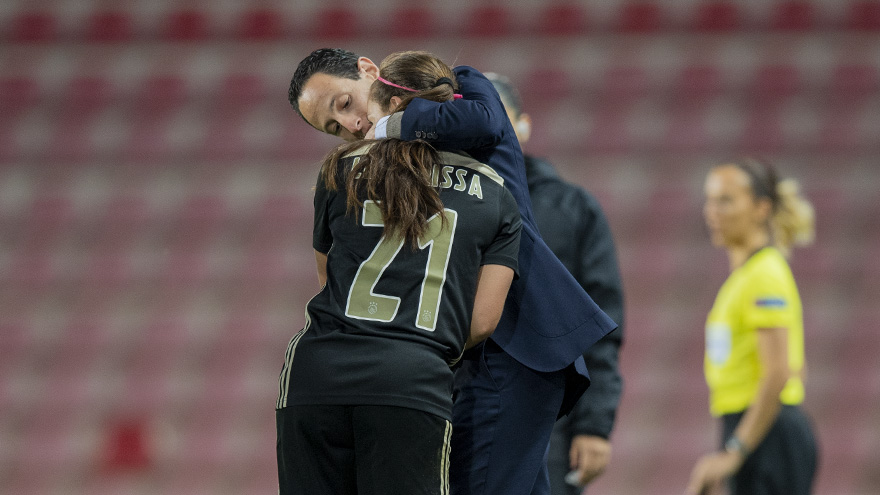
[793, 219]
[793, 222]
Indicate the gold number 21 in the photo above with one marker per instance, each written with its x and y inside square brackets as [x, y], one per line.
[363, 303]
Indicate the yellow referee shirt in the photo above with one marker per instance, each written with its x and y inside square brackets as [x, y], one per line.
[759, 294]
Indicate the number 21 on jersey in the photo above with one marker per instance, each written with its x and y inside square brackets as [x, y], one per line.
[365, 304]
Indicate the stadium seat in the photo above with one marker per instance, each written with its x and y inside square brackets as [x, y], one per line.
[338, 23]
[622, 85]
[864, 16]
[763, 133]
[261, 24]
[86, 97]
[716, 17]
[609, 134]
[34, 26]
[18, 95]
[697, 85]
[774, 84]
[566, 18]
[109, 26]
[640, 17]
[412, 22]
[547, 84]
[686, 131]
[851, 84]
[488, 21]
[793, 15]
[187, 25]
[155, 104]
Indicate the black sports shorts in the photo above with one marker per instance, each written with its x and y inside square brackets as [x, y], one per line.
[363, 450]
[784, 462]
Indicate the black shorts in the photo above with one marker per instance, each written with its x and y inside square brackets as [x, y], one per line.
[363, 450]
[784, 463]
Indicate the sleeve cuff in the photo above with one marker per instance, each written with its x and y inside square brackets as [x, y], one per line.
[393, 125]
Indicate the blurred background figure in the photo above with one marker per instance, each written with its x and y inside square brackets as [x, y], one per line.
[156, 214]
[573, 224]
[755, 336]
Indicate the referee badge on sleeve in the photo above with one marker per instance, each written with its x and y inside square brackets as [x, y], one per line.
[718, 343]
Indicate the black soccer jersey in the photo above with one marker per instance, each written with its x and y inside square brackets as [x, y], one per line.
[391, 319]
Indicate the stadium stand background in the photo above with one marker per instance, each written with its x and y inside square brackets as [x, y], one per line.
[155, 214]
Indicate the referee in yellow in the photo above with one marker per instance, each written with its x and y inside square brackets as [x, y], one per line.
[754, 360]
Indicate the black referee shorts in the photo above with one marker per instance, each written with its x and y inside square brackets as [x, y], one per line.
[363, 450]
[784, 463]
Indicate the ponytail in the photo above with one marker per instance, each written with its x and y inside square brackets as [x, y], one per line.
[793, 221]
[397, 175]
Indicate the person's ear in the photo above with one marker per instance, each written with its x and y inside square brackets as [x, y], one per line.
[523, 128]
[395, 102]
[367, 68]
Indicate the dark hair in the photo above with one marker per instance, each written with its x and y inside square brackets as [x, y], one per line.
[331, 61]
[392, 173]
[762, 177]
[793, 218]
[397, 174]
[508, 92]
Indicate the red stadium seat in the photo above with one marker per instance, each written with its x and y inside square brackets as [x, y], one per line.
[640, 17]
[86, 98]
[110, 26]
[686, 132]
[488, 21]
[337, 23]
[697, 84]
[547, 84]
[763, 134]
[187, 25]
[623, 84]
[568, 18]
[793, 15]
[773, 84]
[839, 130]
[240, 93]
[49, 218]
[864, 16]
[412, 22]
[610, 133]
[717, 17]
[849, 88]
[18, 95]
[261, 25]
[155, 104]
[852, 83]
[35, 26]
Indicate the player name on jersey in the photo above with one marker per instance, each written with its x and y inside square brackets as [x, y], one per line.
[447, 176]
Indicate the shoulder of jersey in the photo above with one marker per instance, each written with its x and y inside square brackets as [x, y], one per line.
[463, 160]
[361, 150]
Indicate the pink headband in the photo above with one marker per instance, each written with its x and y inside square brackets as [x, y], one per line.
[386, 81]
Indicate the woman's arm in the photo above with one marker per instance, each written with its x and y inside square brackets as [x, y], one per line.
[492, 286]
[756, 422]
[712, 469]
[321, 262]
[478, 120]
